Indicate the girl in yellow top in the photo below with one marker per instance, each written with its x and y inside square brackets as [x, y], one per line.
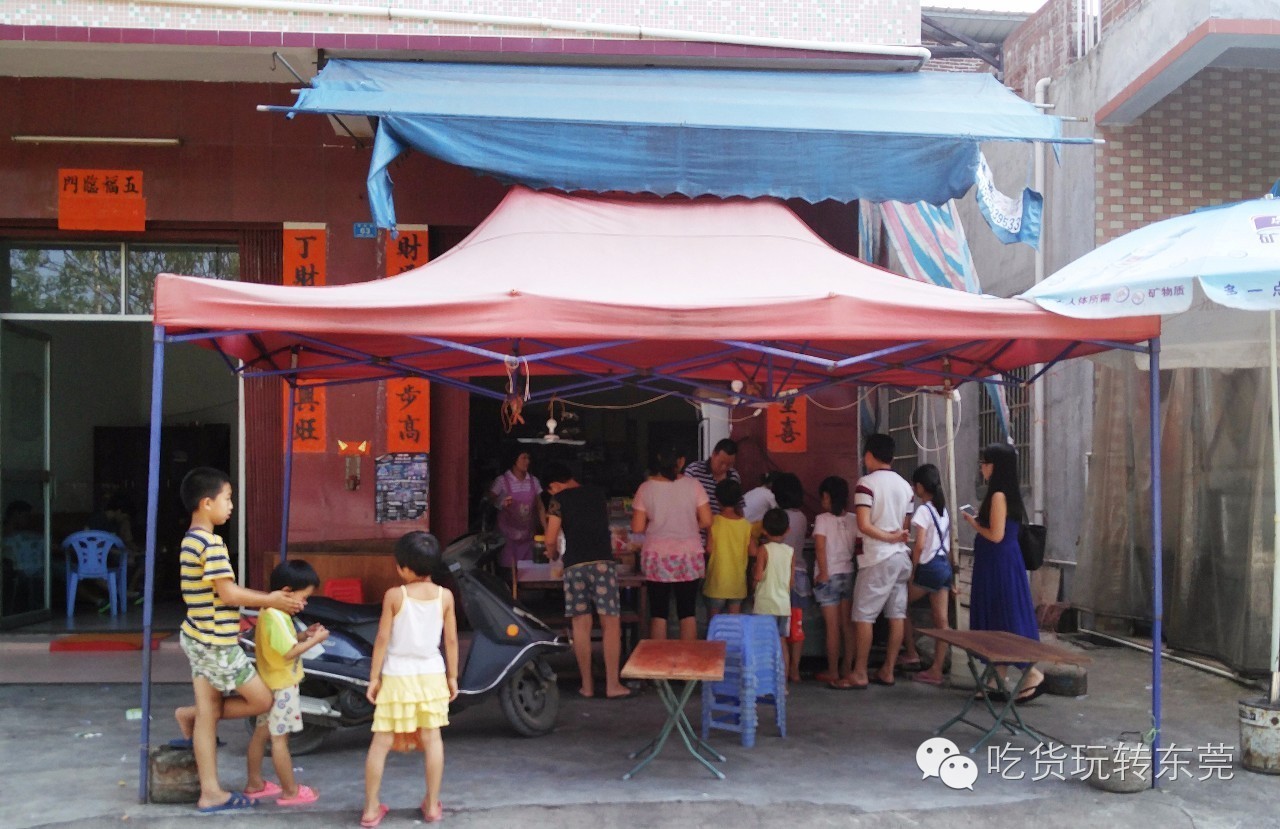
[279, 652]
[411, 682]
[730, 544]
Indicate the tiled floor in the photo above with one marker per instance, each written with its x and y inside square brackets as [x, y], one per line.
[165, 616]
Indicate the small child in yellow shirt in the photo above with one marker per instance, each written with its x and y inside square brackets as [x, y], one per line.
[730, 544]
[279, 652]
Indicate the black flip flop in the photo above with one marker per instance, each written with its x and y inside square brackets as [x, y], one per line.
[1035, 692]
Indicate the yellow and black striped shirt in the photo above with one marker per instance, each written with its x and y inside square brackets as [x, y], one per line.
[203, 561]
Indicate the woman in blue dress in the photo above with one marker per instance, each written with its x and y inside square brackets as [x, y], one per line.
[1000, 597]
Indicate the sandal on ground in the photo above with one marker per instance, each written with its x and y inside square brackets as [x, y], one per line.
[236, 801]
[846, 685]
[876, 680]
[370, 822]
[437, 817]
[268, 789]
[305, 795]
[185, 742]
[909, 665]
[1027, 696]
[925, 678]
[826, 676]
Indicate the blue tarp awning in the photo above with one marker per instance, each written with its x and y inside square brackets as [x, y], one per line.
[724, 132]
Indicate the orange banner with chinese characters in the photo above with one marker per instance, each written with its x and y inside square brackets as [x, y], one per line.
[307, 428]
[304, 255]
[408, 415]
[408, 250]
[788, 425]
[101, 200]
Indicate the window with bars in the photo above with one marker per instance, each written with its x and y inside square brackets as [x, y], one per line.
[1017, 400]
[903, 424]
[100, 279]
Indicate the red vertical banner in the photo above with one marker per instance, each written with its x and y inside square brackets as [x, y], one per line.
[307, 425]
[788, 425]
[408, 250]
[305, 259]
[408, 415]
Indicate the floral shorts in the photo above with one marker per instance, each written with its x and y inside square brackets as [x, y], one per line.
[591, 585]
[285, 714]
[225, 666]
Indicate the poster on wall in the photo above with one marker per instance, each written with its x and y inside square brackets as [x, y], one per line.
[788, 425]
[403, 481]
[101, 200]
[304, 253]
[408, 415]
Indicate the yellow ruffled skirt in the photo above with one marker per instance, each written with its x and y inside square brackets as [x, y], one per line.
[407, 704]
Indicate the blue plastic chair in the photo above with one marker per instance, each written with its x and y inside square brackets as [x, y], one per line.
[92, 549]
[754, 673]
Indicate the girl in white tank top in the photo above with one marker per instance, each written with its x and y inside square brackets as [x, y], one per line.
[414, 674]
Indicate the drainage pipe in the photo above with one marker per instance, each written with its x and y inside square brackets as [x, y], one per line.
[1181, 660]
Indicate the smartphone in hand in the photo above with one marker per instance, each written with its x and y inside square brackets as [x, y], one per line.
[968, 508]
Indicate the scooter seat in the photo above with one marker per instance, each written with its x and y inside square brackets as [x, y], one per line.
[331, 611]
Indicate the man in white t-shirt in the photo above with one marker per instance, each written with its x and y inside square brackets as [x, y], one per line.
[882, 504]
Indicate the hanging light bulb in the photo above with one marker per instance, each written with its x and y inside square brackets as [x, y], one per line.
[551, 425]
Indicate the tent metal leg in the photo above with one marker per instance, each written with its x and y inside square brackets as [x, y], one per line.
[290, 408]
[149, 582]
[1274, 694]
[1157, 564]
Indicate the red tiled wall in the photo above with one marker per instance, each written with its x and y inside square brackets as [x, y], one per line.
[1209, 142]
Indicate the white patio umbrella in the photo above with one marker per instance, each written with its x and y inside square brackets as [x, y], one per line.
[1233, 253]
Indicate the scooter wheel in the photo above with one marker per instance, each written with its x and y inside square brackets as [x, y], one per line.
[531, 699]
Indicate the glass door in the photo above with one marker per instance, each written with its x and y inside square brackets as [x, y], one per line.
[24, 475]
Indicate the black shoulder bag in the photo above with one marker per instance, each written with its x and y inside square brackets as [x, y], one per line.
[1031, 541]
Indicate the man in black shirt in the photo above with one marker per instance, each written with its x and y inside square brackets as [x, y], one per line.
[590, 572]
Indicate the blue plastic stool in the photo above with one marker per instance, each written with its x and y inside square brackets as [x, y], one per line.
[754, 673]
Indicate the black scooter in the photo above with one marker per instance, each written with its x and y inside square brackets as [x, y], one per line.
[504, 653]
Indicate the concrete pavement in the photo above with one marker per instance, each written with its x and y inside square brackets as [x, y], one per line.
[68, 757]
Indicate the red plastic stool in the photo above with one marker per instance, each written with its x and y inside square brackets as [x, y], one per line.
[344, 590]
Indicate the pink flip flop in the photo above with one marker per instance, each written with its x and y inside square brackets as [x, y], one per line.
[427, 818]
[268, 789]
[926, 679]
[305, 795]
[369, 823]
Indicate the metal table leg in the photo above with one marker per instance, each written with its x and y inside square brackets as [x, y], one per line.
[1000, 717]
[675, 719]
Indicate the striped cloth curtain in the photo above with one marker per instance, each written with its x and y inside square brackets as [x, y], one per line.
[930, 243]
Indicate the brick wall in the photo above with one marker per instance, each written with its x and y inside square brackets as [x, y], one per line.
[1211, 141]
[1113, 11]
[1041, 47]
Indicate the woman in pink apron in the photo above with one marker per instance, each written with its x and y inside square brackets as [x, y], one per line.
[517, 495]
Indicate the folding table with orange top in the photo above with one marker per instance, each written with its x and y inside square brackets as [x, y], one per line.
[665, 661]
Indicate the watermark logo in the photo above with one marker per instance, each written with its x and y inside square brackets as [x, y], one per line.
[939, 757]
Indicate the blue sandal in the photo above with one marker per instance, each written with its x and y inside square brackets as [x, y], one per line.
[236, 801]
[182, 742]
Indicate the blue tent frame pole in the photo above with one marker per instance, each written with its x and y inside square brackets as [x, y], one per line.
[1157, 565]
[149, 582]
[288, 471]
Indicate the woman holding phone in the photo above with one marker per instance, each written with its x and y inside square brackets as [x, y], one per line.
[1000, 596]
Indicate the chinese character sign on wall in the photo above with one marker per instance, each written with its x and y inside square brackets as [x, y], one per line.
[307, 430]
[304, 255]
[788, 425]
[408, 415]
[101, 200]
[408, 250]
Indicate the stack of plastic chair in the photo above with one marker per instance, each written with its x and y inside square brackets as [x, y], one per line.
[90, 549]
[344, 590]
[754, 673]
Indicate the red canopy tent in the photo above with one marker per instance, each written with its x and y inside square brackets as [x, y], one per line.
[682, 296]
[628, 291]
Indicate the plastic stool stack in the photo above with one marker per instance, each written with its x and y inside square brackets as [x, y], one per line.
[754, 673]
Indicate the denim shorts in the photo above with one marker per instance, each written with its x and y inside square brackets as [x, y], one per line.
[838, 588]
[935, 574]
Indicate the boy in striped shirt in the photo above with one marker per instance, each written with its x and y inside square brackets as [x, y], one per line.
[209, 633]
